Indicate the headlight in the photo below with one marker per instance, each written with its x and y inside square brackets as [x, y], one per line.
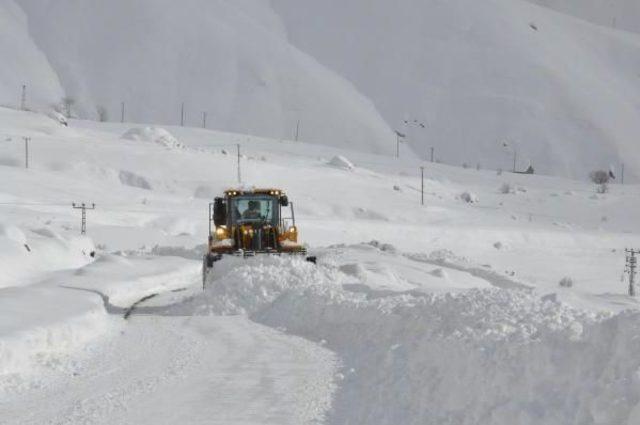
[292, 234]
[221, 233]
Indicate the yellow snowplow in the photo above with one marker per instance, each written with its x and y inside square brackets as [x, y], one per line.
[245, 223]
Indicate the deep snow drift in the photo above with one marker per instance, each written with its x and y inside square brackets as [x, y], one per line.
[483, 356]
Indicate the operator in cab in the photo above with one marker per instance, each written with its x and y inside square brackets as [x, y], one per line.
[253, 211]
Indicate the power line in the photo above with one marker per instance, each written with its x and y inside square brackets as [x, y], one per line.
[630, 269]
[84, 208]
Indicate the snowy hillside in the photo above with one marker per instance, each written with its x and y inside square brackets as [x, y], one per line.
[229, 59]
[23, 62]
[480, 73]
[410, 315]
[558, 90]
[620, 14]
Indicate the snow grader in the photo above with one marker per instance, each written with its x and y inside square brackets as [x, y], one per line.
[245, 223]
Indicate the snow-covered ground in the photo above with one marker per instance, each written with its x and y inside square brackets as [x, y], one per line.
[449, 312]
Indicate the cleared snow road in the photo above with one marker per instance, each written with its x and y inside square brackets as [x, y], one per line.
[186, 370]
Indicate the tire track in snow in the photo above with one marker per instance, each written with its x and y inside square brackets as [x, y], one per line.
[189, 370]
[494, 278]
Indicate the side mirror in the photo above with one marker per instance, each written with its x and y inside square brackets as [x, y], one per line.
[284, 201]
[219, 212]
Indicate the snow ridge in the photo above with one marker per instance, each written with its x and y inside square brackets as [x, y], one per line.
[488, 356]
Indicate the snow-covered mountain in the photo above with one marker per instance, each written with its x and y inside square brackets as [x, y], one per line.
[621, 14]
[230, 59]
[488, 78]
[564, 91]
[22, 61]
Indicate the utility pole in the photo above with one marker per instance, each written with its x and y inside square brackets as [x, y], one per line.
[515, 158]
[422, 186]
[84, 208]
[432, 153]
[399, 136]
[122, 112]
[298, 130]
[26, 151]
[204, 120]
[182, 115]
[23, 98]
[632, 263]
[239, 175]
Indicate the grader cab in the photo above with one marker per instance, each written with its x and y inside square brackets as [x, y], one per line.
[245, 223]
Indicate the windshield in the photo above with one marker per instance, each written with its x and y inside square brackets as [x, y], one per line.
[255, 209]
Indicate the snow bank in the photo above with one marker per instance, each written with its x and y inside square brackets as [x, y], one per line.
[100, 173]
[124, 281]
[487, 356]
[468, 197]
[39, 326]
[42, 323]
[25, 255]
[341, 162]
[154, 135]
[38, 322]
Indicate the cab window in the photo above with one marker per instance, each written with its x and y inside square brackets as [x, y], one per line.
[255, 210]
